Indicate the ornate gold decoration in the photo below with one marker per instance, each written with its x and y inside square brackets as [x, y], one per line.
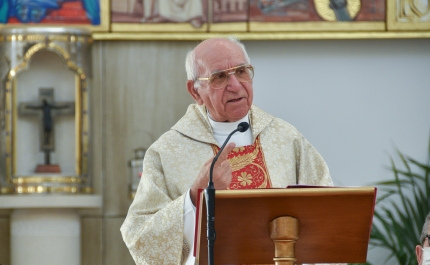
[33, 183]
[157, 27]
[229, 27]
[36, 37]
[266, 183]
[44, 189]
[371, 30]
[239, 162]
[53, 179]
[245, 179]
[325, 12]
[248, 166]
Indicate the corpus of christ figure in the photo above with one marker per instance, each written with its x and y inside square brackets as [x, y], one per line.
[46, 108]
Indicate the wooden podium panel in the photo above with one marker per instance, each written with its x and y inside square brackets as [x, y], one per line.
[335, 224]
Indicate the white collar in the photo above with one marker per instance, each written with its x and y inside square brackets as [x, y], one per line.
[226, 127]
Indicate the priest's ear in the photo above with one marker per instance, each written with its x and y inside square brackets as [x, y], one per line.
[194, 92]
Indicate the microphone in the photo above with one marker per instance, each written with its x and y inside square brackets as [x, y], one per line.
[242, 127]
[210, 196]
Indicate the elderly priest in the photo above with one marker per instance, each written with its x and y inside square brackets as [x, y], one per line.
[159, 228]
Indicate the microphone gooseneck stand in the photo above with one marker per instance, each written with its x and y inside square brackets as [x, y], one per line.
[210, 197]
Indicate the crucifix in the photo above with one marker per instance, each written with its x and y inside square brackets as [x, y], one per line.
[46, 108]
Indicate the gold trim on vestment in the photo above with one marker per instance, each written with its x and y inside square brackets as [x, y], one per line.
[237, 163]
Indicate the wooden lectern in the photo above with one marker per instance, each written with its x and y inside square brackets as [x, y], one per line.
[307, 225]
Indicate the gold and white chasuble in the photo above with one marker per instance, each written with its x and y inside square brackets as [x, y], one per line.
[153, 228]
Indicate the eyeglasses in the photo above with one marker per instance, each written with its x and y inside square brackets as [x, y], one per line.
[218, 80]
[428, 239]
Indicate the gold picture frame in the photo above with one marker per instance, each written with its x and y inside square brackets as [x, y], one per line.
[407, 15]
[225, 27]
[316, 26]
[104, 15]
[158, 27]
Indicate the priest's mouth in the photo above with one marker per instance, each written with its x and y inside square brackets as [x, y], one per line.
[235, 100]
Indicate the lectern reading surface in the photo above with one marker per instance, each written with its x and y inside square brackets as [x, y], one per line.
[334, 223]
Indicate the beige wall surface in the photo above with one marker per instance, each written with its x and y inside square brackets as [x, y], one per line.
[144, 95]
[138, 93]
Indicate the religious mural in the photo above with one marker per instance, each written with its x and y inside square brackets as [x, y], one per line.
[196, 12]
[230, 11]
[408, 15]
[155, 11]
[199, 16]
[317, 10]
[86, 12]
[413, 11]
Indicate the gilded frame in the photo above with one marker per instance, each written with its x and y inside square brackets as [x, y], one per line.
[158, 27]
[405, 15]
[32, 183]
[316, 26]
[229, 27]
[103, 27]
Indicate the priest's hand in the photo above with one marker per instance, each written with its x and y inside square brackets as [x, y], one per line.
[221, 174]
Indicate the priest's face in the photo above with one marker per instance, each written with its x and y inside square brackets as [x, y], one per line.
[227, 103]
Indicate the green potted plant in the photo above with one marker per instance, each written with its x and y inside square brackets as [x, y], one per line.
[400, 210]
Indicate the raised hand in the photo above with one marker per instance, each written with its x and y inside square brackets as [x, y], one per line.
[221, 174]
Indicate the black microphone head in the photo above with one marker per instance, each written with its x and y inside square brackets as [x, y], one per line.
[243, 126]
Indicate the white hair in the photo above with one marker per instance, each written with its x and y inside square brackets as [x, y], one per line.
[426, 228]
[192, 64]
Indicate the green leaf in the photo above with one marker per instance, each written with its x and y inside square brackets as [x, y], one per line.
[401, 209]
